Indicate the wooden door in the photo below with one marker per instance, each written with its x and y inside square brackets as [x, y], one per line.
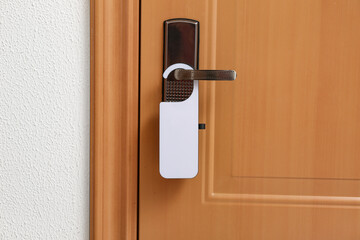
[280, 156]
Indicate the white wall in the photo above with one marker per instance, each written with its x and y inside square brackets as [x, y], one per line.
[44, 119]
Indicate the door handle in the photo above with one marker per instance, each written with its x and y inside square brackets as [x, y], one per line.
[179, 110]
[218, 75]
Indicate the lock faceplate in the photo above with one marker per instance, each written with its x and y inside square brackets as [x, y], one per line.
[181, 45]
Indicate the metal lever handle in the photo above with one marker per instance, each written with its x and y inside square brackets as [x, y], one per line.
[225, 75]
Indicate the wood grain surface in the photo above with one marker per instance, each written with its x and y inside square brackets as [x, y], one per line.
[279, 158]
[114, 119]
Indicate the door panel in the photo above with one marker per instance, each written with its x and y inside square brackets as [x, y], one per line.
[279, 156]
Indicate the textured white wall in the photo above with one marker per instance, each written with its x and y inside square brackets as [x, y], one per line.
[44, 119]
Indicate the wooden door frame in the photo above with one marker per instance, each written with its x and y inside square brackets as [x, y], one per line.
[114, 119]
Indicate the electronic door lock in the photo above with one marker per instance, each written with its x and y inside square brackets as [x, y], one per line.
[179, 121]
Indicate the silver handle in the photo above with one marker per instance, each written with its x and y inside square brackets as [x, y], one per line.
[225, 75]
